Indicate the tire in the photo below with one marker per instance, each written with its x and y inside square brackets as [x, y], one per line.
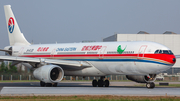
[94, 83]
[106, 83]
[42, 84]
[100, 83]
[150, 85]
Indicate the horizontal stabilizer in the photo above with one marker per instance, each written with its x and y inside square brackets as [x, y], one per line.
[5, 50]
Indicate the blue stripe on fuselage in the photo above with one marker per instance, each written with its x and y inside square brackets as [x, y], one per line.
[120, 60]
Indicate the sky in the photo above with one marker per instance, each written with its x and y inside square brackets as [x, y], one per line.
[69, 21]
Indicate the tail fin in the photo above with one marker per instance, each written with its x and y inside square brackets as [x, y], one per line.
[15, 35]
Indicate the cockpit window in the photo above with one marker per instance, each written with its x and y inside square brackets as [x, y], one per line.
[170, 52]
[160, 51]
[157, 51]
[163, 51]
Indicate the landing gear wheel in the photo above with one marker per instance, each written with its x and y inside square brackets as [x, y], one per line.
[54, 85]
[106, 83]
[153, 85]
[94, 83]
[42, 84]
[48, 84]
[100, 83]
[150, 85]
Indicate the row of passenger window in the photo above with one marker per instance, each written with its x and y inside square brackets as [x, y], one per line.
[125, 52]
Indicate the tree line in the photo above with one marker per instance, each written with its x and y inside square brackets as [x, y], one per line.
[7, 68]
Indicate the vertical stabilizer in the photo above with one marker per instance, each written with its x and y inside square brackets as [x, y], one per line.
[15, 35]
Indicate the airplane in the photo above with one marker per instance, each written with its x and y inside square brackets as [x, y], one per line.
[140, 61]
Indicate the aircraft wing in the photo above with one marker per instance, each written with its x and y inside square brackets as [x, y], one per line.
[62, 63]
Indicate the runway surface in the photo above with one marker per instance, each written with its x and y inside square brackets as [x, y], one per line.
[85, 88]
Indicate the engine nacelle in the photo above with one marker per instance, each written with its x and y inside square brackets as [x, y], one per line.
[49, 73]
[142, 79]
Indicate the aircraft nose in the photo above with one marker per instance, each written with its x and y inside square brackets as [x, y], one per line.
[174, 60]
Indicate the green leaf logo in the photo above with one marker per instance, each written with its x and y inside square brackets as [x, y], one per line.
[119, 50]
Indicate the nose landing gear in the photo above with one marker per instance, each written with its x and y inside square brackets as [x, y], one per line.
[150, 85]
[100, 82]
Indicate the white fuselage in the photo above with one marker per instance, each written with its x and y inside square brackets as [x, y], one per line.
[129, 58]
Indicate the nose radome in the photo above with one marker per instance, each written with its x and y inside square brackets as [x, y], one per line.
[174, 59]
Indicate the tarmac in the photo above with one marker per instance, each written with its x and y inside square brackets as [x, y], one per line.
[85, 88]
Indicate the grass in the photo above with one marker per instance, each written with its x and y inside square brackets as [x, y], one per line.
[90, 98]
[167, 81]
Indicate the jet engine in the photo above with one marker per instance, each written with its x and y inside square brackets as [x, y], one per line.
[49, 73]
[142, 79]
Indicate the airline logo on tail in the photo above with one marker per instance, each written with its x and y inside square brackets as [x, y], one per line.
[11, 24]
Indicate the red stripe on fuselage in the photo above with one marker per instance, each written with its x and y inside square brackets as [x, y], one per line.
[164, 57]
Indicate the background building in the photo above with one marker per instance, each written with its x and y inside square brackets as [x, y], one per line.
[169, 39]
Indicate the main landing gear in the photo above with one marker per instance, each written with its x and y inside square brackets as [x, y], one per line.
[100, 82]
[150, 85]
[43, 84]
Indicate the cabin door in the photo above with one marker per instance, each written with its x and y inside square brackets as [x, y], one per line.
[141, 51]
[102, 51]
[52, 53]
[21, 51]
